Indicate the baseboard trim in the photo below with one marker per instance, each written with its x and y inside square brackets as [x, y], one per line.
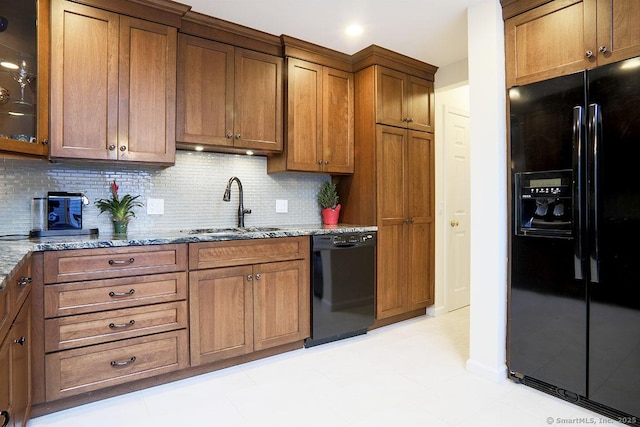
[496, 374]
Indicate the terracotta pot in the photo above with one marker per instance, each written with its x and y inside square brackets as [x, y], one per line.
[330, 216]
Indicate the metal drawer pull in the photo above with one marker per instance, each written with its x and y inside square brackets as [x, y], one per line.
[115, 262]
[122, 294]
[20, 341]
[6, 417]
[24, 281]
[125, 363]
[122, 325]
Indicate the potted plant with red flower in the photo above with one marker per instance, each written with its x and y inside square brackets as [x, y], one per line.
[121, 209]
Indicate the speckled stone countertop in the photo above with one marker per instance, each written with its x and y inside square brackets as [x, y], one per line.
[14, 251]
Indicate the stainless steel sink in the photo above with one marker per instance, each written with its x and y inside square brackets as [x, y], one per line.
[230, 231]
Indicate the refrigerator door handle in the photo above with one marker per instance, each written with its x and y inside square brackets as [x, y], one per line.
[595, 126]
[578, 140]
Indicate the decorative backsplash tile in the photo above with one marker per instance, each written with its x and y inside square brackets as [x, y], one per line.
[192, 191]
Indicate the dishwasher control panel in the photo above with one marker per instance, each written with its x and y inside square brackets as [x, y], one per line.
[347, 239]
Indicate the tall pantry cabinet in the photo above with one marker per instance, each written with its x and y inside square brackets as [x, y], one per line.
[393, 183]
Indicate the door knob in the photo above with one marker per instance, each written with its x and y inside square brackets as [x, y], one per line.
[454, 223]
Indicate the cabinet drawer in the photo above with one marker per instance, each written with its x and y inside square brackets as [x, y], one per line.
[77, 371]
[96, 328]
[98, 295]
[87, 264]
[243, 252]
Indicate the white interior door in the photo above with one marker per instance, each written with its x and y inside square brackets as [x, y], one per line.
[457, 206]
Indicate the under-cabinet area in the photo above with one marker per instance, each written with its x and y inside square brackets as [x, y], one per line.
[108, 320]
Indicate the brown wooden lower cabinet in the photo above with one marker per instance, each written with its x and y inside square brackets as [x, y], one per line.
[240, 309]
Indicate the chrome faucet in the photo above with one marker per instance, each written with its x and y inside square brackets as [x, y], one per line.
[227, 197]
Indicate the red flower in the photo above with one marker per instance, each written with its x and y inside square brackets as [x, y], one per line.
[114, 189]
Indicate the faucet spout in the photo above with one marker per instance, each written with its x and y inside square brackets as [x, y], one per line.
[227, 197]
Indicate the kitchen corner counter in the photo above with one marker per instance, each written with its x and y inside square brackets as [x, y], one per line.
[13, 253]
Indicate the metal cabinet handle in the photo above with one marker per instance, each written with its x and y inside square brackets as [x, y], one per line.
[409, 220]
[20, 341]
[24, 281]
[122, 294]
[44, 142]
[124, 363]
[229, 134]
[7, 418]
[112, 147]
[122, 325]
[603, 49]
[409, 120]
[249, 277]
[258, 276]
[125, 262]
[319, 162]
[237, 136]
[454, 223]
[588, 54]
[123, 148]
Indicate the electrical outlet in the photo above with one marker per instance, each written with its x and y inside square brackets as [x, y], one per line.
[282, 206]
[155, 206]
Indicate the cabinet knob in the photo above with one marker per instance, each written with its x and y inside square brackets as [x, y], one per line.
[588, 53]
[20, 341]
[409, 220]
[603, 49]
[6, 417]
[123, 148]
[258, 276]
[319, 162]
[326, 162]
[45, 142]
[409, 120]
[249, 277]
[24, 281]
[229, 134]
[454, 223]
[112, 147]
[237, 136]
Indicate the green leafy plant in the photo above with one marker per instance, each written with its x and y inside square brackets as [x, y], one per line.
[121, 209]
[328, 195]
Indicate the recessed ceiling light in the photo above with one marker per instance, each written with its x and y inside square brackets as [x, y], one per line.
[249, 153]
[198, 148]
[354, 30]
[9, 65]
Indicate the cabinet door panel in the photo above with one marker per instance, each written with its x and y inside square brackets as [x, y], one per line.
[337, 119]
[5, 383]
[618, 29]
[258, 89]
[281, 306]
[304, 116]
[147, 76]
[84, 82]
[20, 342]
[420, 265]
[205, 85]
[391, 107]
[420, 104]
[549, 41]
[221, 314]
[419, 178]
[390, 155]
[391, 286]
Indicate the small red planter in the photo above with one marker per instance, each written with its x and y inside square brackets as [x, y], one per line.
[330, 216]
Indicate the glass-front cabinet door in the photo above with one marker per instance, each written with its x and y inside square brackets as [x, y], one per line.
[23, 77]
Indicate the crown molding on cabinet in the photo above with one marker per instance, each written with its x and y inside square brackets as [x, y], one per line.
[376, 55]
[165, 12]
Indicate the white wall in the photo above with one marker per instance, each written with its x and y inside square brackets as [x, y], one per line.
[487, 344]
[452, 91]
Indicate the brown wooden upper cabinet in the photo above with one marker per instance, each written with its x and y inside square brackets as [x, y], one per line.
[403, 100]
[319, 120]
[564, 36]
[112, 86]
[229, 98]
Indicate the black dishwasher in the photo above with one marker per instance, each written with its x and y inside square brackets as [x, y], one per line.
[343, 282]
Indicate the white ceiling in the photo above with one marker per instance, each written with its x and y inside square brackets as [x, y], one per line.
[433, 31]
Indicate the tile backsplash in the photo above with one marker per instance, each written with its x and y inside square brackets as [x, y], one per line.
[192, 190]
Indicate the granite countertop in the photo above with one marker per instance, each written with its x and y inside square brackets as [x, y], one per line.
[14, 252]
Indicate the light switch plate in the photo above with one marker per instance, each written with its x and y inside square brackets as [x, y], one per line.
[282, 206]
[155, 206]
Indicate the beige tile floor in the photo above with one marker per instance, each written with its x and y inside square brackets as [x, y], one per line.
[407, 374]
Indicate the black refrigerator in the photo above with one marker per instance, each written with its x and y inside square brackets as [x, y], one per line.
[574, 297]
